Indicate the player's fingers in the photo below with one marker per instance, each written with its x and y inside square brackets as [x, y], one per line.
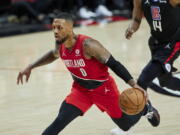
[129, 34]
[142, 90]
[146, 95]
[21, 79]
[132, 31]
[27, 77]
[18, 78]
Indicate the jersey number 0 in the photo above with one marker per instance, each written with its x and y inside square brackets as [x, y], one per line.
[83, 72]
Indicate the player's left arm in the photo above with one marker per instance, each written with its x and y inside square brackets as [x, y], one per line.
[175, 3]
[176, 37]
[95, 49]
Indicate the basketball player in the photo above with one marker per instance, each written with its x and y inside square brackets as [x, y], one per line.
[87, 61]
[164, 42]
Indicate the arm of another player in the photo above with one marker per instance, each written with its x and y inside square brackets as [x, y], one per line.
[176, 37]
[94, 49]
[175, 3]
[45, 59]
[136, 21]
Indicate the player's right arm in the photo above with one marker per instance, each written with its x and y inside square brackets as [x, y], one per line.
[175, 3]
[136, 19]
[93, 48]
[47, 58]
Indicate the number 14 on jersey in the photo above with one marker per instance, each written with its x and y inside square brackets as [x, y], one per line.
[157, 25]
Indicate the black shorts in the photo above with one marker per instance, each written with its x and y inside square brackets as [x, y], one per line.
[165, 53]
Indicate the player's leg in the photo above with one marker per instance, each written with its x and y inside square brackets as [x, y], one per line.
[169, 81]
[67, 113]
[152, 70]
[173, 85]
[127, 121]
[76, 104]
[106, 97]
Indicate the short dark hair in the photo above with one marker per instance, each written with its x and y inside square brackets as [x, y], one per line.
[64, 15]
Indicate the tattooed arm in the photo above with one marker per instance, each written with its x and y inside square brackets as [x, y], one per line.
[136, 21]
[45, 59]
[94, 49]
[175, 3]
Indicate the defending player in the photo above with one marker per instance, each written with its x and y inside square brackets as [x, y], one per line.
[164, 42]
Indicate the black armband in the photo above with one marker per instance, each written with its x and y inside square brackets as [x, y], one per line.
[119, 69]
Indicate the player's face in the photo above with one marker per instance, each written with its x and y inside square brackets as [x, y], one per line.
[62, 29]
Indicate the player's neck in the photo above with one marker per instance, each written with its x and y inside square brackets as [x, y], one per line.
[69, 44]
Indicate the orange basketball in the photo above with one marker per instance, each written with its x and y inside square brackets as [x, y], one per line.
[132, 101]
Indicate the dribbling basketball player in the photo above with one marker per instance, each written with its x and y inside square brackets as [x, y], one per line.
[87, 61]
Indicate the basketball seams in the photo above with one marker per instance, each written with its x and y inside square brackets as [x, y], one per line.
[124, 105]
[137, 100]
[132, 101]
[140, 103]
[127, 106]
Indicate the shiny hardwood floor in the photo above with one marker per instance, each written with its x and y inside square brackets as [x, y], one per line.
[28, 109]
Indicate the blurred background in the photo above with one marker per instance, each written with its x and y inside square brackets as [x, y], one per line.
[24, 16]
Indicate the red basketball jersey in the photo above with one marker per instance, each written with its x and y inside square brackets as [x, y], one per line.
[81, 67]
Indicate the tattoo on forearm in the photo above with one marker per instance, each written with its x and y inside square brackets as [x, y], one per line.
[137, 20]
[46, 59]
[96, 50]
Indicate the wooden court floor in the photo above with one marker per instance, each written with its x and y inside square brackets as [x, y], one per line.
[28, 109]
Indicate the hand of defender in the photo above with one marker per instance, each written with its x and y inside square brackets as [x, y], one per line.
[142, 90]
[26, 72]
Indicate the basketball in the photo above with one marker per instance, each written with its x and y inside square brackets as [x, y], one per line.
[132, 101]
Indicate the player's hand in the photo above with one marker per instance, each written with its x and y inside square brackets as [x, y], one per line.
[26, 72]
[142, 90]
[129, 32]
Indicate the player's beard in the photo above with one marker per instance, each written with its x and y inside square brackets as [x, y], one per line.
[62, 40]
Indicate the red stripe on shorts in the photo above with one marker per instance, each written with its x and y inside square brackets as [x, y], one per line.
[176, 49]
